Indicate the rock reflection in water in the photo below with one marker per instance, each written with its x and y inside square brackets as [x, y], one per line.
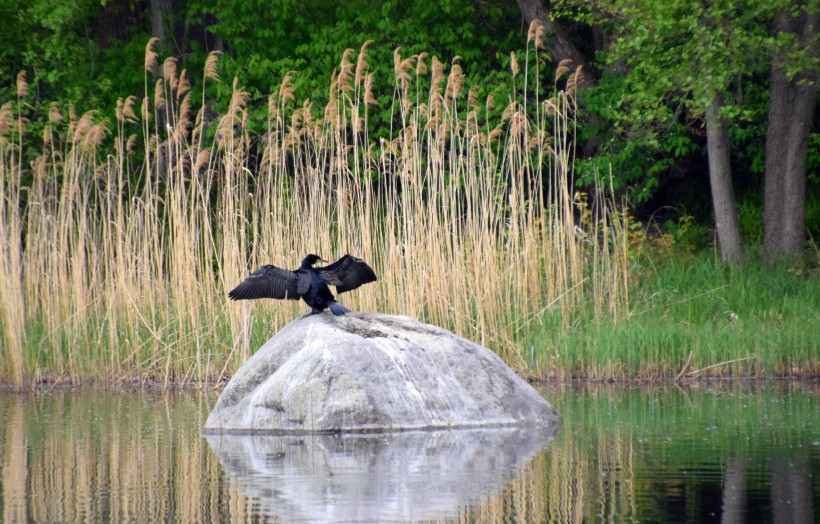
[375, 477]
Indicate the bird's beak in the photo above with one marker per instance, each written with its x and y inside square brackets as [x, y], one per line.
[323, 260]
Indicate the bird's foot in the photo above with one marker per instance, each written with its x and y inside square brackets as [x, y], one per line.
[338, 309]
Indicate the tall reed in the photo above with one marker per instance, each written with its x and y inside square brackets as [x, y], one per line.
[115, 262]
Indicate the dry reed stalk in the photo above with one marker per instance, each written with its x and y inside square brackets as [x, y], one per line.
[131, 279]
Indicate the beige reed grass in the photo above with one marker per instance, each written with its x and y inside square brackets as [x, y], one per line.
[115, 264]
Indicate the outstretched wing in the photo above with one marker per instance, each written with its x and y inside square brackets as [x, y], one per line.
[267, 282]
[347, 273]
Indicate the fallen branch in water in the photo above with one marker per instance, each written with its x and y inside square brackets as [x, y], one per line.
[696, 372]
[685, 367]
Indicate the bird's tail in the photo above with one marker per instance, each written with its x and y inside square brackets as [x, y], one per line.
[338, 309]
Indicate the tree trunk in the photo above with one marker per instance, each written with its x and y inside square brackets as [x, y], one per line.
[791, 108]
[720, 178]
[559, 44]
[160, 11]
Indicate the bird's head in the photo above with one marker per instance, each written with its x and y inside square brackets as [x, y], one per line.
[311, 259]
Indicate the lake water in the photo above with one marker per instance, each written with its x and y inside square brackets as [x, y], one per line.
[729, 453]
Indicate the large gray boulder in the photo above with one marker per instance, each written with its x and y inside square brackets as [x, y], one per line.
[372, 372]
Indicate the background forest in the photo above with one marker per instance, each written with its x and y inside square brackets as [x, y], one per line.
[651, 69]
[625, 156]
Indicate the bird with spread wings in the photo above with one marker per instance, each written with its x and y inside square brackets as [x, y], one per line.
[307, 282]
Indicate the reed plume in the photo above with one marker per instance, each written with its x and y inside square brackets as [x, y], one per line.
[184, 84]
[361, 63]
[564, 67]
[135, 256]
[22, 84]
[151, 56]
[54, 114]
[211, 64]
[169, 72]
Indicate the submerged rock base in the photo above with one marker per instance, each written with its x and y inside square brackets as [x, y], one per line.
[370, 372]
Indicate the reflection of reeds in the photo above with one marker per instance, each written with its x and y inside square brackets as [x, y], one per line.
[118, 460]
[140, 458]
[470, 221]
[128, 459]
[565, 484]
[15, 466]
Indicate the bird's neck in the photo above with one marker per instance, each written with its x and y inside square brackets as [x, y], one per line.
[306, 265]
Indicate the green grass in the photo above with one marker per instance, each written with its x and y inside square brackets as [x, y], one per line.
[762, 321]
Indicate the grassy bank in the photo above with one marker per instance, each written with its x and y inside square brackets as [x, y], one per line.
[693, 317]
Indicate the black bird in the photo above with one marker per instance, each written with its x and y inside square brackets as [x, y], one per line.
[307, 282]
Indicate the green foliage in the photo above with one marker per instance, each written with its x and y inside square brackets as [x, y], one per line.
[813, 160]
[666, 62]
[687, 234]
[266, 40]
[750, 218]
[61, 46]
[638, 137]
[813, 215]
[690, 51]
[89, 52]
[750, 207]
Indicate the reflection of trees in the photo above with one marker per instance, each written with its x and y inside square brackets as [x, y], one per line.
[791, 490]
[734, 491]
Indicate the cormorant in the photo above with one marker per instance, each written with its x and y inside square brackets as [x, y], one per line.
[307, 282]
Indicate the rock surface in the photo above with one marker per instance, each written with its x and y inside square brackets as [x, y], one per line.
[372, 372]
[384, 477]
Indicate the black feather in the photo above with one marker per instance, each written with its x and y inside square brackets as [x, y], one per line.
[306, 282]
[268, 282]
[347, 273]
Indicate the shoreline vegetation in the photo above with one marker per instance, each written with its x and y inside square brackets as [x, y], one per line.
[119, 241]
[693, 317]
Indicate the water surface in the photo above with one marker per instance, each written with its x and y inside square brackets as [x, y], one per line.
[735, 453]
